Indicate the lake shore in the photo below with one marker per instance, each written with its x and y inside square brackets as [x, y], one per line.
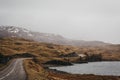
[37, 71]
[60, 75]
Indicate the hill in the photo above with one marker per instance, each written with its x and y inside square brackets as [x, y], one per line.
[52, 53]
[12, 31]
[12, 46]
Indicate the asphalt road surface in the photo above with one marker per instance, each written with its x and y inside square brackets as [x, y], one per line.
[15, 71]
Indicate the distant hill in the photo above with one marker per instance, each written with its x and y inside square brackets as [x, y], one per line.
[12, 31]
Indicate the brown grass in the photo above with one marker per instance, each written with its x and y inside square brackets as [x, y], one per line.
[35, 71]
[59, 76]
[46, 52]
[11, 46]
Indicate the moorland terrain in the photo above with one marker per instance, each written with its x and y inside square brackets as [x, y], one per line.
[45, 54]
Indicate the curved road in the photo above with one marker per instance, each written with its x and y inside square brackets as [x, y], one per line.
[15, 71]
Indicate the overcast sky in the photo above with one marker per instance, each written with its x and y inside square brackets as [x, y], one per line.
[74, 19]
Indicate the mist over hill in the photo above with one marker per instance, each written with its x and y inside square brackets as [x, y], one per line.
[12, 31]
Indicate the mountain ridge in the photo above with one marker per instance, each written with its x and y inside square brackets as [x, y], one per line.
[12, 31]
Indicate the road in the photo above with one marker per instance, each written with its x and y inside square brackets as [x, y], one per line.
[15, 71]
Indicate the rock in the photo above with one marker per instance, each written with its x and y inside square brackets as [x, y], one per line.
[73, 54]
[58, 62]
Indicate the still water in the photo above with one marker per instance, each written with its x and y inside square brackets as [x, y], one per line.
[98, 68]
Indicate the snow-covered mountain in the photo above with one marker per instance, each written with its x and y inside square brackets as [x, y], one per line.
[12, 31]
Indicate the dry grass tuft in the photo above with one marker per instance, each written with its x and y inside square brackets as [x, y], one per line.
[35, 71]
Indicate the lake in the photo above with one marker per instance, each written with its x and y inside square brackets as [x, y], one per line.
[97, 68]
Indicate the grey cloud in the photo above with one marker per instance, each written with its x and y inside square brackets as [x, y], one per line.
[76, 19]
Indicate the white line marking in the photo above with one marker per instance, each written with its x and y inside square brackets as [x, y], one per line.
[9, 72]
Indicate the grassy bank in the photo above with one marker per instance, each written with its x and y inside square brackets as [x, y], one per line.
[35, 71]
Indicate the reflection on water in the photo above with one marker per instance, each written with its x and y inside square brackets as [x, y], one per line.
[98, 68]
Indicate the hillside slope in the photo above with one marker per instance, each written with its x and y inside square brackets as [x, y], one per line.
[12, 31]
